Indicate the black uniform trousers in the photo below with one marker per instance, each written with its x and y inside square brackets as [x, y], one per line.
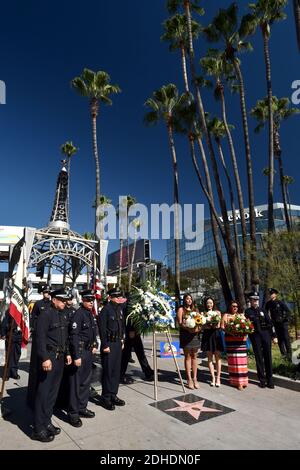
[48, 384]
[15, 352]
[111, 368]
[80, 382]
[282, 333]
[137, 344]
[262, 348]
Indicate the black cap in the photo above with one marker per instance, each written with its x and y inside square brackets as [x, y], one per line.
[45, 289]
[253, 295]
[273, 291]
[115, 292]
[59, 294]
[88, 294]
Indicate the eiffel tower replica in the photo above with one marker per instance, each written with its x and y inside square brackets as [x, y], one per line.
[57, 247]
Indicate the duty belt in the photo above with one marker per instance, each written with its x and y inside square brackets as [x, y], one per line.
[87, 346]
[58, 351]
[113, 337]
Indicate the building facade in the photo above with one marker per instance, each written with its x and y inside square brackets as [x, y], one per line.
[206, 257]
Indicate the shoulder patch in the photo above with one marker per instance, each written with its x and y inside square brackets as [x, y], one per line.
[74, 325]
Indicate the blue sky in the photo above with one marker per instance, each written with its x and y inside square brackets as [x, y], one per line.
[45, 44]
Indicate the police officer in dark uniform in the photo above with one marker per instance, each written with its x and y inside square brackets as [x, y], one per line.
[16, 343]
[40, 306]
[280, 313]
[261, 340]
[133, 341]
[112, 333]
[83, 344]
[52, 352]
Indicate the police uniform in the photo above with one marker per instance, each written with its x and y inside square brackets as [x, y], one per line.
[39, 308]
[279, 313]
[83, 339]
[261, 341]
[51, 344]
[16, 343]
[112, 333]
[134, 340]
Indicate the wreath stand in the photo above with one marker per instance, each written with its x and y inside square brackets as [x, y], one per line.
[169, 339]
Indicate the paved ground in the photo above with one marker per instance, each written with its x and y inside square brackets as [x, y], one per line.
[263, 419]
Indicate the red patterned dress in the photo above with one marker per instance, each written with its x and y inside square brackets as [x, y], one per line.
[237, 357]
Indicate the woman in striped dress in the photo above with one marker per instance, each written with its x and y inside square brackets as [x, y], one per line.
[236, 351]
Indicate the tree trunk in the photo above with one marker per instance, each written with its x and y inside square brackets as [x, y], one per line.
[277, 151]
[297, 20]
[184, 70]
[271, 226]
[254, 265]
[176, 201]
[132, 261]
[121, 259]
[235, 229]
[94, 113]
[213, 217]
[239, 193]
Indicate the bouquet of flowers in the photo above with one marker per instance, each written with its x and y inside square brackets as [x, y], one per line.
[151, 309]
[192, 319]
[239, 326]
[211, 319]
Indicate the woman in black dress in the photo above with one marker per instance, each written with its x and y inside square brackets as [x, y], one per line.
[212, 343]
[189, 341]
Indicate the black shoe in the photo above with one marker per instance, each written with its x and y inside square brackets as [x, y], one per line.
[87, 413]
[106, 404]
[131, 360]
[118, 402]
[15, 376]
[262, 385]
[42, 436]
[149, 378]
[93, 393]
[53, 430]
[270, 385]
[126, 380]
[76, 422]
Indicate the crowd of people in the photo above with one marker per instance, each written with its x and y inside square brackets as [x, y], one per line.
[65, 340]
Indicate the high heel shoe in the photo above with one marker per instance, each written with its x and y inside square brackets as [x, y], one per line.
[212, 383]
[190, 385]
[196, 384]
[218, 384]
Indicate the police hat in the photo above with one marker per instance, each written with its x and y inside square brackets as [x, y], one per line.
[88, 294]
[273, 291]
[115, 292]
[254, 295]
[45, 289]
[59, 294]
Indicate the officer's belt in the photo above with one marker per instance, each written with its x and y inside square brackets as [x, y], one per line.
[55, 349]
[87, 346]
[113, 337]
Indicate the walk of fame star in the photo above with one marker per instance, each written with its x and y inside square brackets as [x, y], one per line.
[194, 409]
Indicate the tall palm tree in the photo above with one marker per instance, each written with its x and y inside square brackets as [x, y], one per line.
[163, 105]
[281, 111]
[296, 4]
[217, 129]
[214, 65]
[88, 236]
[68, 150]
[225, 28]
[287, 180]
[97, 88]
[122, 211]
[263, 14]
[136, 223]
[189, 6]
[176, 33]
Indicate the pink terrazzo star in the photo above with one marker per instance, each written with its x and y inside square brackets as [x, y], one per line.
[194, 409]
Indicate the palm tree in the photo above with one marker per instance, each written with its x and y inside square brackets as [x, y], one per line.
[217, 130]
[122, 211]
[97, 87]
[225, 28]
[68, 150]
[264, 14]
[88, 236]
[214, 65]
[189, 6]
[287, 180]
[163, 105]
[136, 223]
[297, 19]
[281, 111]
[176, 32]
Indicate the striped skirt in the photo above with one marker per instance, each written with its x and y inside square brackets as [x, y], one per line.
[237, 360]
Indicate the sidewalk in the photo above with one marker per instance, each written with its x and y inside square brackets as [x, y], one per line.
[253, 419]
